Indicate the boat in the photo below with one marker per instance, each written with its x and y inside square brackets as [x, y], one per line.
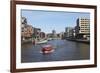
[49, 39]
[42, 42]
[39, 42]
[47, 49]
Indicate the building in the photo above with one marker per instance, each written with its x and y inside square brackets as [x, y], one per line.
[30, 32]
[54, 35]
[36, 33]
[23, 20]
[26, 30]
[61, 35]
[83, 28]
[42, 35]
[68, 32]
[73, 33]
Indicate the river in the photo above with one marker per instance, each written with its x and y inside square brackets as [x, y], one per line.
[64, 50]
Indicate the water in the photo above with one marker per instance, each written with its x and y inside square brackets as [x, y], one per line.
[64, 50]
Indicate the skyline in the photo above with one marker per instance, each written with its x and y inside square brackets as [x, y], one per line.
[52, 20]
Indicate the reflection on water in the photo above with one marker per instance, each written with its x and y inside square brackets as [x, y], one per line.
[64, 50]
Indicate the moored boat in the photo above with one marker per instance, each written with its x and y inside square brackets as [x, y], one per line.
[41, 42]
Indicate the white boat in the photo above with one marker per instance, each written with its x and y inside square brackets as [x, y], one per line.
[49, 39]
[42, 42]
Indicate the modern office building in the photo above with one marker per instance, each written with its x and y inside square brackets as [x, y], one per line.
[68, 32]
[83, 28]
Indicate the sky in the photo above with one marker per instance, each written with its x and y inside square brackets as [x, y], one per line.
[52, 20]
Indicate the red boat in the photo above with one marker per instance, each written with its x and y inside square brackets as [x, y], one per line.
[47, 49]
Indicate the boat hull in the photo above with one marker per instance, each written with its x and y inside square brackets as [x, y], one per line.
[47, 49]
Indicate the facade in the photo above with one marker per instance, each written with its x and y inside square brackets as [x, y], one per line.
[26, 30]
[62, 35]
[54, 35]
[23, 20]
[49, 35]
[68, 32]
[36, 33]
[30, 32]
[83, 28]
[42, 35]
[57, 36]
